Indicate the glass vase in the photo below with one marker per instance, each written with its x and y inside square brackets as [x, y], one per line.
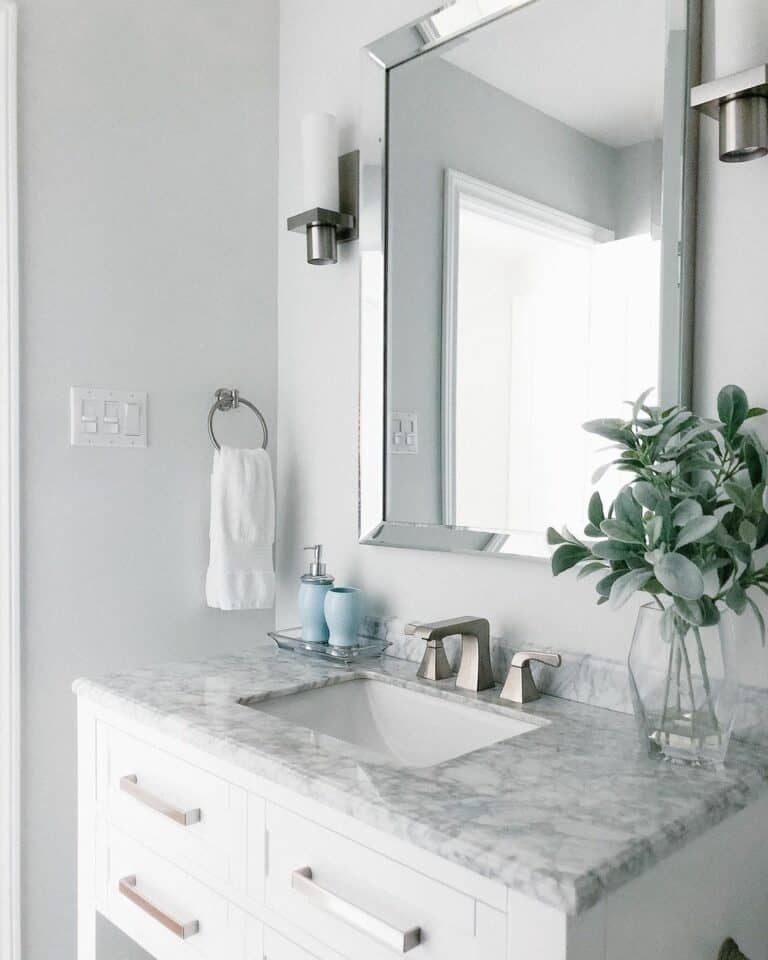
[683, 683]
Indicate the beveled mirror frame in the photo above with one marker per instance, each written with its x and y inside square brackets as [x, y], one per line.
[392, 50]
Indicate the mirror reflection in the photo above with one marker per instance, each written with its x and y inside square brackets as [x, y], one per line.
[534, 185]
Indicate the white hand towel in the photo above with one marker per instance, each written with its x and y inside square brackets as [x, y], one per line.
[241, 574]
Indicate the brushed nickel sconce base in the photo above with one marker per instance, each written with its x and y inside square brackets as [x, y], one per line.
[321, 243]
[743, 129]
[740, 104]
[327, 228]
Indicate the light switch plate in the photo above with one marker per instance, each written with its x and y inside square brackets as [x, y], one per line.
[403, 432]
[107, 418]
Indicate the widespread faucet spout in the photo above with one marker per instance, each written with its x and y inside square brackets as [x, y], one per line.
[475, 666]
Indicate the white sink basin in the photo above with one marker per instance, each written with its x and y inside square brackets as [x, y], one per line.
[386, 721]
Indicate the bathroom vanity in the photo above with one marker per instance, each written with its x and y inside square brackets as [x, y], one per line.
[269, 806]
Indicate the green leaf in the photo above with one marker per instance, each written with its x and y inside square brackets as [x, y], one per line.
[595, 510]
[736, 598]
[711, 613]
[553, 537]
[722, 538]
[592, 531]
[601, 471]
[748, 531]
[646, 495]
[603, 586]
[742, 552]
[699, 613]
[680, 576]
[692, 611]
[567, 556]
[628, 510]
[638, 405]
[738, 495]
[617, 530]
[674, 425]
[696, 529]
[756, 412]
[623, 587]
[652, 431]
[685, 511]
[654, 529]
[762, 532]
[590, 568]
[732, 408]
[759, 618]
[611, 429]
[570, 537]
[754, 458]
[653, 586]
[614, 550]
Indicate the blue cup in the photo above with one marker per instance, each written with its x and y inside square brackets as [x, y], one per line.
[343, 613]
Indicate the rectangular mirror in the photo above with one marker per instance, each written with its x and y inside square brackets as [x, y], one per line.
[527, 223]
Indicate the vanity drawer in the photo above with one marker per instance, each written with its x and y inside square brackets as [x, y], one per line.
[183, 812]
[362, 904]
[166, 911]
[276, 947]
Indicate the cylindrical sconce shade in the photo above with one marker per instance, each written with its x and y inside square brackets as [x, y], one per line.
[320, 146]
[743, 129]
[321, 244]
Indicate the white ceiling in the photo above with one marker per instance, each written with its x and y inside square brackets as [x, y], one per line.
[595, 65]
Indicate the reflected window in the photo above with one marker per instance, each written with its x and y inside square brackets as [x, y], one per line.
[552, 319]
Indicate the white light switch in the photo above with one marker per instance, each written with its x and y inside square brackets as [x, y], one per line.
[107, 418]
[404, 433]
[132, 420]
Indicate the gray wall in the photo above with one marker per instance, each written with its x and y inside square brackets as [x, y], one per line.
[147, 171]
[318, 442]
[441, 117]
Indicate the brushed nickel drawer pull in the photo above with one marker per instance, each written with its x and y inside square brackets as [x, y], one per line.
[127, 887]
[130, 785]
[400, 940]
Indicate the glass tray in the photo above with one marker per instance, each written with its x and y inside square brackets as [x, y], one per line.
[369, 648]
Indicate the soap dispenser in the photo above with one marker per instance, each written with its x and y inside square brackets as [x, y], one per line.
[314, 586]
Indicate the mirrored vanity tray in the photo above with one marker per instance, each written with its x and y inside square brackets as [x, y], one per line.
[369, 648]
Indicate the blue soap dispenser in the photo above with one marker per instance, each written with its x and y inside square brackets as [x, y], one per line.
[314, 586]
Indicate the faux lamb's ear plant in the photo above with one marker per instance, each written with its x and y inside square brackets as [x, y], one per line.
[690, 523]
[694, 507]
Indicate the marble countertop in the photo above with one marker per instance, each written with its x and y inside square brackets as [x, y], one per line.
[565, 813]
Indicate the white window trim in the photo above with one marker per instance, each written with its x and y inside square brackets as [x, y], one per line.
[471, 193]
[10, 945]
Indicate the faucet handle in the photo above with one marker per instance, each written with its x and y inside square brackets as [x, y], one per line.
[520, 687]
[523, 657]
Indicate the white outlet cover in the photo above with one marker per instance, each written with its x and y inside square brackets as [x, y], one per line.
[107, 418]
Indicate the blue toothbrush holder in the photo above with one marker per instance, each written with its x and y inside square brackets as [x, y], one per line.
[343, 613]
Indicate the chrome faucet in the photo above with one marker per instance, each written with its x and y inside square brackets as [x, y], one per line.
[520, 687]
[475, 666]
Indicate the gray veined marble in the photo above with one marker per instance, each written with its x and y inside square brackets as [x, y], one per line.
[564, 813]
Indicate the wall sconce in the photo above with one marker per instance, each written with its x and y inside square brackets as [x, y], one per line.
[740, 104]
[331, 190]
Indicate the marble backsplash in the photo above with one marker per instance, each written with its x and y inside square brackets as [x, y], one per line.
[581, 677]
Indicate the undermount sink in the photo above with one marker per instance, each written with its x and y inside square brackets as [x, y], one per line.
[382, 720]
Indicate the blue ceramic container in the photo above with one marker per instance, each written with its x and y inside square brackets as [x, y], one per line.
[343, 613]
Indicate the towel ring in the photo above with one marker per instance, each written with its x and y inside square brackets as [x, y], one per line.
[230, 399]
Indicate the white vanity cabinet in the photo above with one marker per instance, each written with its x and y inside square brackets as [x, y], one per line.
[194, 857]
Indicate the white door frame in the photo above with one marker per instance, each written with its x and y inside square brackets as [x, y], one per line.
[10, 948]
